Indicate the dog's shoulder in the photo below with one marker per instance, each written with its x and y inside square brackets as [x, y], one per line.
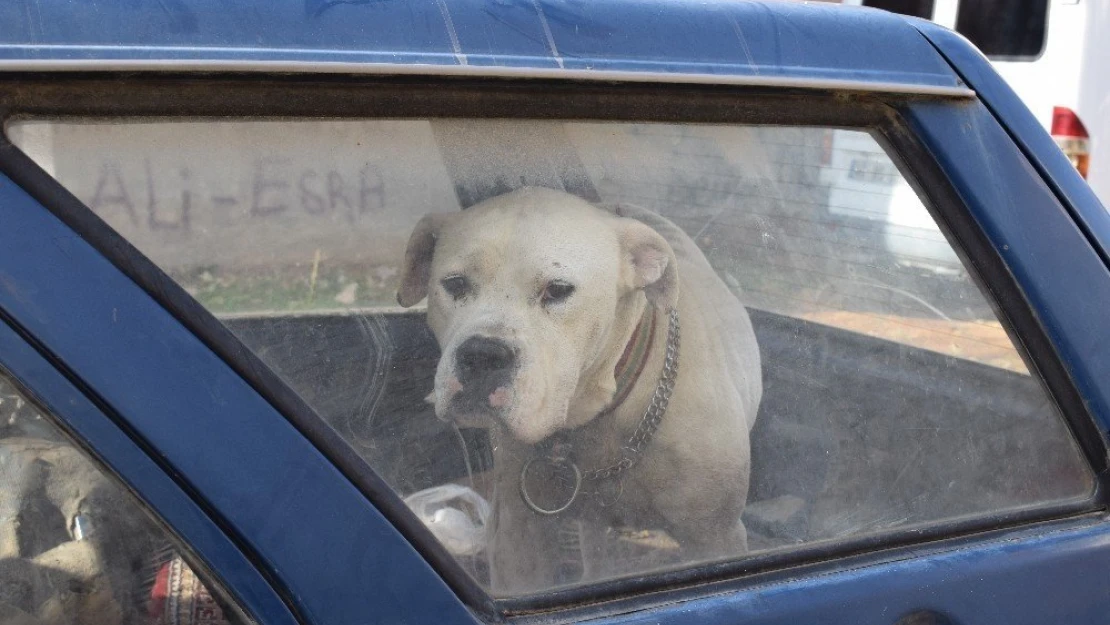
[711, 303]
[683, 246]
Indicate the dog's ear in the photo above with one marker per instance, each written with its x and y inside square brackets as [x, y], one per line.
[652, 262]
[418, 258]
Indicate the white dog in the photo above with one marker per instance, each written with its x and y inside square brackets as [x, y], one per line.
[618, 375]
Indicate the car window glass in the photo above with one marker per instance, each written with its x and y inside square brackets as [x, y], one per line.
[587, 350]
[76, 547]
[915, 8]
[1005, 29]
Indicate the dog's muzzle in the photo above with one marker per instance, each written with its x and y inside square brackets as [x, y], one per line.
[484, 367]
[480, 358]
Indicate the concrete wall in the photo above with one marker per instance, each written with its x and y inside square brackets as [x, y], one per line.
[261, 193]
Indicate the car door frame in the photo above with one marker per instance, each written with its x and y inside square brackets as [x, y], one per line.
[216, 558]
[217, 360]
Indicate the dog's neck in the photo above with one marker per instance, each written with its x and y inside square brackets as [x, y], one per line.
[631, 355]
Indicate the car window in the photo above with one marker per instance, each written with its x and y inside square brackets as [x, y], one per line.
[916, 8]
[75, 545]
[1005, 30]
[1010, 30]
[587, 350]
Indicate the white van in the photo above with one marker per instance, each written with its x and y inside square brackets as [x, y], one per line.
[1056, 56]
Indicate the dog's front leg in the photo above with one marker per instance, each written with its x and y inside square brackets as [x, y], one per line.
[529, 550]
[705, 540]
[532, 552]
[706, 520]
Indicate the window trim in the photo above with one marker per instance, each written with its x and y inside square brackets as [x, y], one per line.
[111, 95]
[207, 66]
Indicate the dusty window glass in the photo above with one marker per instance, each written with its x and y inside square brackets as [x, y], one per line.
[75, 546]
[587, 350]
[1005, 29]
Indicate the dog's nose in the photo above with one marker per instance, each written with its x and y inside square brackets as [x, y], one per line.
[479, 356]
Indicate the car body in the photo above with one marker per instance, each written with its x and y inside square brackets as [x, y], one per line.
[200, 412]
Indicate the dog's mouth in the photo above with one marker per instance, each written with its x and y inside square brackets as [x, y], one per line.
[503, 404]
[479, 403]
[486, 382]
[479, 383]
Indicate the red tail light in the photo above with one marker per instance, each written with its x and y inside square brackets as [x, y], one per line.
[1071, 135]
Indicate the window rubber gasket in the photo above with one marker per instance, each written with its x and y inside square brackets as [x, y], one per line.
[232, 96]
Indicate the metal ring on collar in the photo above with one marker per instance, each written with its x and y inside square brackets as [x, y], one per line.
[528, 499]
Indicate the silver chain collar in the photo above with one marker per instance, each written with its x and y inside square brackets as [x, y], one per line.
[637, 443]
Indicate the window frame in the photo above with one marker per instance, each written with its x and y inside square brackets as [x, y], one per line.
[170, 95]
[214, 556]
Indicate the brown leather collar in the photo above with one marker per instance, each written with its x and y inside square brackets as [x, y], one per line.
[632, 362]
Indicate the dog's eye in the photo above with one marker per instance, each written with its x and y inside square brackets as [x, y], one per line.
[456, 286]
[556, 291]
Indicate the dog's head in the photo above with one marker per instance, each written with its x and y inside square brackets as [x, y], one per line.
[531, 296]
